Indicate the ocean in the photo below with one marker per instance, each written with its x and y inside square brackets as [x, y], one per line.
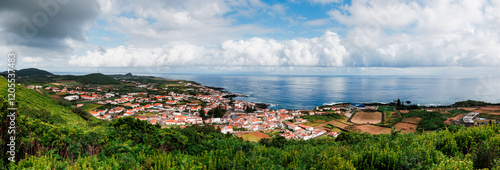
[307, 92]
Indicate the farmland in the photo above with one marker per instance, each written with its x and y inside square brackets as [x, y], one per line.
[372, 129]
[254, 136]
[386, 108]
[406, 127]
[363, 117]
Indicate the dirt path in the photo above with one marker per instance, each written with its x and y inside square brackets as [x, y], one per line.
[39, 91]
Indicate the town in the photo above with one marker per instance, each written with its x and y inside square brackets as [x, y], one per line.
[177, 104]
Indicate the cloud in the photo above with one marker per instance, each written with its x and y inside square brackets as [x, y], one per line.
[323, 1]
[372, 33]
[46, 24]
[31, 59]
[415, 33]
[321, 51]
[317, 22]
[153, 22]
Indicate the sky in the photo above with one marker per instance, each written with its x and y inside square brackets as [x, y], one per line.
[312, 36]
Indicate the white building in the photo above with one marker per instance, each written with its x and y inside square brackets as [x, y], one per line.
[72, 97]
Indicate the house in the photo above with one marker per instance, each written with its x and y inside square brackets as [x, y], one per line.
[469, 118]
[141, 118]
[334, 134]
[226, 129]
[306, 127]
[158, 105]
[170, 122]
[293, 127]
[79, 105]
[72, 97]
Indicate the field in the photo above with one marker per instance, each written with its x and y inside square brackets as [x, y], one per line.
[68, 82]
[367, 118]
[89, 107]
[61, 93]
[490, 108]
[455, 118]
[412, 120]
[316, 123]
[386, 108]
[374, 129]
[254, 136]
[468, 108]
[320, 120]
[57, 98]
[334, 123]
[406, 127]
[494, 113]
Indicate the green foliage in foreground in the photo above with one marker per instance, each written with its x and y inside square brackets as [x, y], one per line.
[128, 143]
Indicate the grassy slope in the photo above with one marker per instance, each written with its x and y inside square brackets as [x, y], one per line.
[30, 99]
[96, 78]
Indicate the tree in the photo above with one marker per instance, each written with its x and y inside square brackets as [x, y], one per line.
[408, 102]
[398, 103]
[202, 113]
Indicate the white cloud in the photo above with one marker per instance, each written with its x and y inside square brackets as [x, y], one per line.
[322, 51]
[153, 22]
[317, 22]
[324, 1]
[416, 33]
[31, 59]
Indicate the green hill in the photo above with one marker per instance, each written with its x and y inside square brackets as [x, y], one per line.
[30, 72]
[94, 78]
[32, 102]
[33, 72]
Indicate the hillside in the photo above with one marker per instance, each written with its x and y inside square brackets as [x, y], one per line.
[94, 78]
[29, 101]
[30, 72]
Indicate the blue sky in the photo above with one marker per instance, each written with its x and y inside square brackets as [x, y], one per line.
[248, 34]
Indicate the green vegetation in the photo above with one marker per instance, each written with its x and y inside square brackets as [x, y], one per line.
[321, 118]
[315, 120]
[470, 103]
[485, 115]
[386, 108]
[457, 112]
[89, 107]
[31, 101]
[95, 78]
[30, 72]
[430, 120]
[216, 112]
[51, 136]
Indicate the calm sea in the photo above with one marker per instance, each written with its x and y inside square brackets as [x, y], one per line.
[307, 92]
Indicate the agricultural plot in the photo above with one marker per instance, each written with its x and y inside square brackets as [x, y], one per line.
[455, 118]
[406, 127]
[89, 107]
[254, 136]
[386, 108]
[335, 123]
[374, 129]
[412, 120]
[490, 108]
[367, 118]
